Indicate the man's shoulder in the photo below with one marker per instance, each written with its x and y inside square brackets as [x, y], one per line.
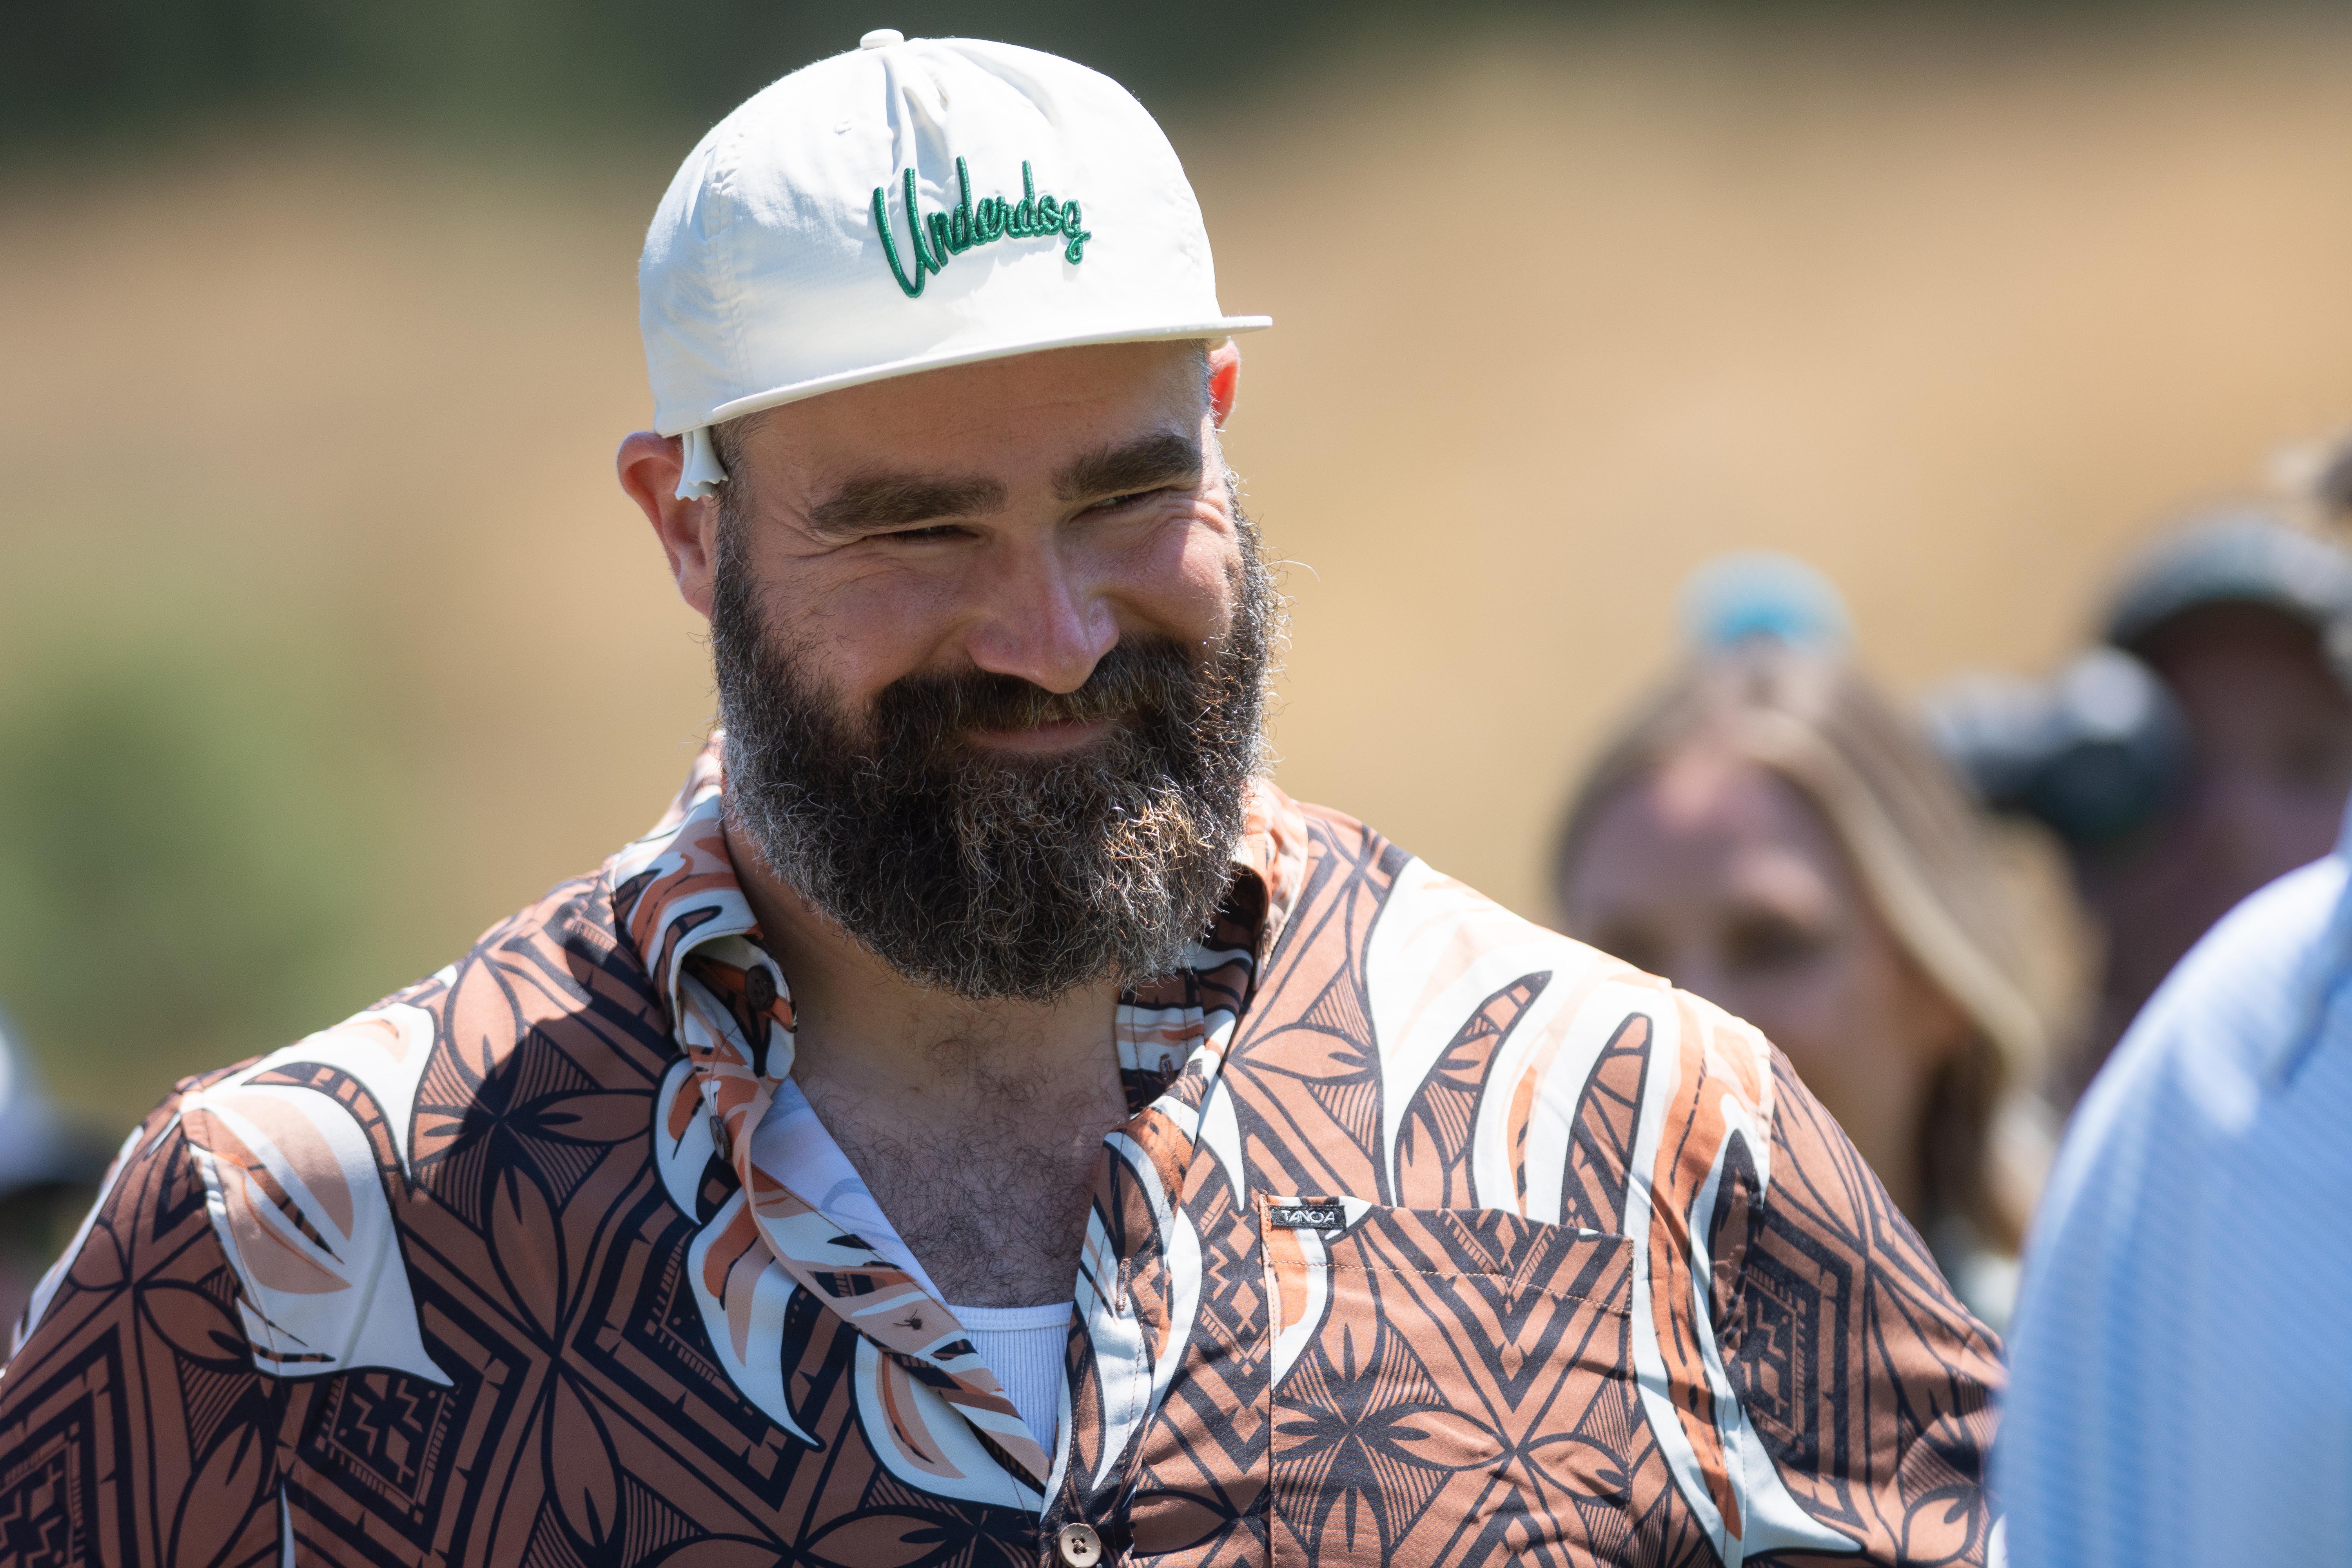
[564, 942]
[554, 975]
[2184, 1198]
[2192, 1091]
[1449, 986]
[2224, 1024]
[492, 1082]
[557, 961]
[1426, 935]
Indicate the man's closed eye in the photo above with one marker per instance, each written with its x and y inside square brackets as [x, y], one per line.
[1131, 498]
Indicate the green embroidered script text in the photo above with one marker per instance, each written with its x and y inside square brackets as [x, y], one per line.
[975, 223]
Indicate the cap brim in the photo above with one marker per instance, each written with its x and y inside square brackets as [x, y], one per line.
[1215, 326]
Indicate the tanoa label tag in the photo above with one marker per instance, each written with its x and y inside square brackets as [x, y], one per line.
[1308, 1214]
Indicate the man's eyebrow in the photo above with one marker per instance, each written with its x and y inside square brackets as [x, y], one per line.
[896, 501]
[1147, 463]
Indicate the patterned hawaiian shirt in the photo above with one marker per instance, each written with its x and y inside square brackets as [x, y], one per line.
[1432, 1237]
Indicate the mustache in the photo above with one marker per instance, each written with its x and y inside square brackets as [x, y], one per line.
[1149, 678]
[991, 874]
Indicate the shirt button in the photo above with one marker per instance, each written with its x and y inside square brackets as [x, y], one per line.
[1081, 1547]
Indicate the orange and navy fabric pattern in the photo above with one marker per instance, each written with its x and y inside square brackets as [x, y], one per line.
[1433, 1236]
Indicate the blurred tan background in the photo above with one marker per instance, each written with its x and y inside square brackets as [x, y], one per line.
[326, 639]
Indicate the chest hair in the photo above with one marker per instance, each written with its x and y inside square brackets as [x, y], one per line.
[988, 1185]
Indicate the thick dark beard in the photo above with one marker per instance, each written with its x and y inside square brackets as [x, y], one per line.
[998, 877]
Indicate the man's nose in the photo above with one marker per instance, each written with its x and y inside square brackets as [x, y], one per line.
[1042, 620]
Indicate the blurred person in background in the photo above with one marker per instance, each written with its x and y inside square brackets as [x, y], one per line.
[2202, 751]
[985, 1121]
[49, 1165]
[2182, 1390]
[1768, 832]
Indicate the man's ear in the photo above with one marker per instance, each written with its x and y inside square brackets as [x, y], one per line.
[1224, 380]
[649, 466]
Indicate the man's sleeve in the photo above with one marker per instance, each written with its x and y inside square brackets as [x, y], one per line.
[134, 1427]
[1869, 1387]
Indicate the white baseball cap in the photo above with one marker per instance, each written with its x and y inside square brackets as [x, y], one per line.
[907, 206]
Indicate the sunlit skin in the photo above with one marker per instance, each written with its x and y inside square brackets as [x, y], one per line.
[1019, 516]
[2270, 742]
[1718, 874]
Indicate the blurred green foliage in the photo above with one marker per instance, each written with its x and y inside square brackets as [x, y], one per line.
[176, 889]
[127, 68]
[131, 67]
[200, 860]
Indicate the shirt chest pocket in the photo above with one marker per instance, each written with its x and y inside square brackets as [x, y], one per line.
[1445, 1385]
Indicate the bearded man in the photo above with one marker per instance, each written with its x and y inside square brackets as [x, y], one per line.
[986, 1120]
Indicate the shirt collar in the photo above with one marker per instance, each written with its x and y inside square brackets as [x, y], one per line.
[799, 1204]
[675, 890]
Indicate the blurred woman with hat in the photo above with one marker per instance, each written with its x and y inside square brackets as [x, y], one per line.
[1767, 831]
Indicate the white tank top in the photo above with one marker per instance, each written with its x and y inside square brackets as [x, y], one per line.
[1025, 1347]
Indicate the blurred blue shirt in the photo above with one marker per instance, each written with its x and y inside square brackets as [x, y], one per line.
[2181, 1358]
[35, 1144]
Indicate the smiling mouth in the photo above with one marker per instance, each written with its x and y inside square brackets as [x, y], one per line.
[1053, 735]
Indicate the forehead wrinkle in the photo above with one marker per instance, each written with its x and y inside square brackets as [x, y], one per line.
[1145, 463]
[897, 500]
